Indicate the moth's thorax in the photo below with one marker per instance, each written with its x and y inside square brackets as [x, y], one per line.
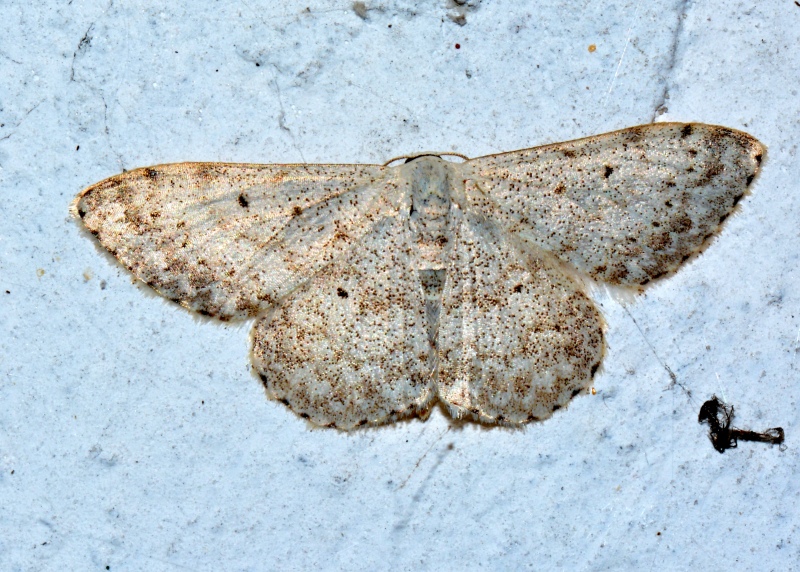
[433, 182]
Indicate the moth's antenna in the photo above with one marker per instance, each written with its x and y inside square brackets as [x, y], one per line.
[423, 154]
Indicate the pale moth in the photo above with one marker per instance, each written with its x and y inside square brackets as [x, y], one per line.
[378, 291]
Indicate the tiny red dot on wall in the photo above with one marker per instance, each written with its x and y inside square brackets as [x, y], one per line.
[458, 46]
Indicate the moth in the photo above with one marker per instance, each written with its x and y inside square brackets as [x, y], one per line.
[379, 290]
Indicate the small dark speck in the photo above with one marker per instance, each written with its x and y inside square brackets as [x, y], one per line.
[78, 148]
[8, 291]
[342, 293]
[686, 131]
[258, 65]
[102, 285]
[518, 288]
[608, 171]
[458, 46]
[297, 211]
[243, 201]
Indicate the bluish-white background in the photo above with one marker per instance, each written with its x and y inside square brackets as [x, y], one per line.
[133, 436]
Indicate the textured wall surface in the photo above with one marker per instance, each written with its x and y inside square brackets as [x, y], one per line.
[134, 437]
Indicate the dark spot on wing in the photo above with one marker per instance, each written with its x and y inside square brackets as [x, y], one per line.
[297, 211]
[607, 172]
[243, 201]
[342, 293]
[686, 131]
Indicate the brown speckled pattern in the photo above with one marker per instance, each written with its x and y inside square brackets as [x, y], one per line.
[626, 207]
[379, 290]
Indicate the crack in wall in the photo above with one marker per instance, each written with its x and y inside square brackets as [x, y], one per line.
[21, 121]
[661, 107]
[83, 45]
[80, 50]
[282, 115]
